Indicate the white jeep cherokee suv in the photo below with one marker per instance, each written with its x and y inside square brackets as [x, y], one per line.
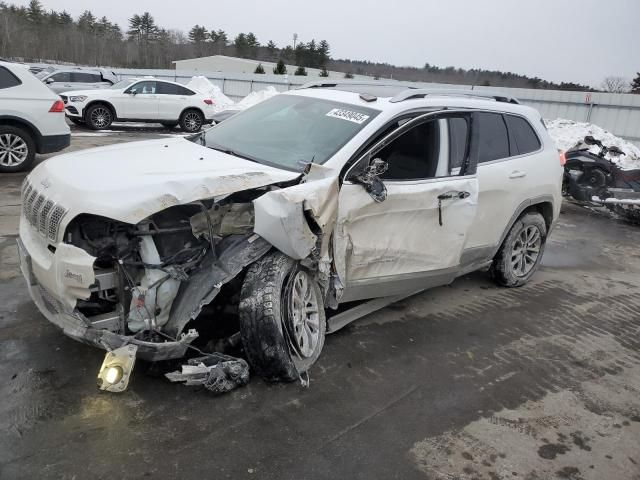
[31, 119]
[267, 222]
[140, 100]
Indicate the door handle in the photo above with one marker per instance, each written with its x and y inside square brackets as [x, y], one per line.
[517, 174]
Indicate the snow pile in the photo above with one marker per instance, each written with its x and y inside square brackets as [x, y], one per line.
[203, 85]
[256, 97]
[569, 134]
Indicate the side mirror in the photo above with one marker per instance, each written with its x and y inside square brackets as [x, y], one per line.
[49, 81]
[371, 181]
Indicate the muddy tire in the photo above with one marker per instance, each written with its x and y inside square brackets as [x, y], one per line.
[282, 318]
[99, 117]
[17, 149]
[521, 251]
[191, 121]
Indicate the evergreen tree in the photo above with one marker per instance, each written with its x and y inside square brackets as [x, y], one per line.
[280, 68]
[635, 85]
[252, 45]
[324, 72]
[272, 48]
[301, 72]
[241, 44]
[259, 69]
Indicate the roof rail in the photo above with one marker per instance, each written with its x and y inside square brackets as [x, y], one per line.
[423, 92]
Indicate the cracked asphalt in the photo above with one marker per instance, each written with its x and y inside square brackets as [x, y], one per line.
[469, 381]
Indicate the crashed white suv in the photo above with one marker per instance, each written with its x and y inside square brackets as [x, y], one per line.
[268, 222]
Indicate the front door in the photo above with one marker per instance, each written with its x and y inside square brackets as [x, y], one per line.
[414, 238]
[140, 101]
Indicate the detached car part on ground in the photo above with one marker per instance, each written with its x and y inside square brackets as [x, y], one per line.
[268, 226]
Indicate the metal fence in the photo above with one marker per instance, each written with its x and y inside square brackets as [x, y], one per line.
[618, 113]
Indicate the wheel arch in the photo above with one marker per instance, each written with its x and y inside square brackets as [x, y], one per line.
[197, 109]
[25, 125]
[542, 205]
[99, 102]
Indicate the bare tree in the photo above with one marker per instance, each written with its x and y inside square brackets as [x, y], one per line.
[615, 85]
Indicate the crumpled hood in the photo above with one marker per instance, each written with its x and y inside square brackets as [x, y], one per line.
[129, 182]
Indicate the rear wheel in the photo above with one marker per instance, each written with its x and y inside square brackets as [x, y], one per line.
[521, 251]
[99, 117]
[17, 149]
[282, 318]
[191, 121]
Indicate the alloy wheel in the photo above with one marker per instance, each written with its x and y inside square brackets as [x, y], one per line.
[100, 117]
[192, 122]
[13, 150]
[526, 250]
[304, 315]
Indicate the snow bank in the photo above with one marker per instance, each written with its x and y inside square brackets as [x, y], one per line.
[204, 85]
[569, 134]
[256, 97]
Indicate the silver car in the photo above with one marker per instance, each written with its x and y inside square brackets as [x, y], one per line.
[63, 80]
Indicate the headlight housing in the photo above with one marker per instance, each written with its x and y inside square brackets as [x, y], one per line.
[78, 98]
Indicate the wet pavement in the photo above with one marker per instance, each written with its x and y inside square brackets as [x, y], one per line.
[469, 381]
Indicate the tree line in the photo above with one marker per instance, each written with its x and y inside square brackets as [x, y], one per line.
[35, 34]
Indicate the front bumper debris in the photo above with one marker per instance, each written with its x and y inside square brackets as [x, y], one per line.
[218, 373]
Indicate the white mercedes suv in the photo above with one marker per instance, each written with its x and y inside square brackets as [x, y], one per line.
[140, 100]
[269, 221]
[31, 119]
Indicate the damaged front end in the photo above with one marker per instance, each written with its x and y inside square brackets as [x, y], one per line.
[110, 283]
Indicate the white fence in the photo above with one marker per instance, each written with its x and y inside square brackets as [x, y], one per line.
[618, 113]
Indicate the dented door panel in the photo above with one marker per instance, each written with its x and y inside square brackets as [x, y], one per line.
[402, 235]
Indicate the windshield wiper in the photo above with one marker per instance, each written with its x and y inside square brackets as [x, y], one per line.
[228, 151]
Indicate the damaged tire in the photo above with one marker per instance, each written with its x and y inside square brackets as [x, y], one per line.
[521, 251]
[282, 318]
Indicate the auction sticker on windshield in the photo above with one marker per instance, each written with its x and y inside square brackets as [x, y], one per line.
[349, 115]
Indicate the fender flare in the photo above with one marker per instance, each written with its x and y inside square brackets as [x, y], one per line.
[105, 102]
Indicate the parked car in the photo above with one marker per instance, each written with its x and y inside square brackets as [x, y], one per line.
[140, 100]
[31, 119]
[282, 213]
[65, 79]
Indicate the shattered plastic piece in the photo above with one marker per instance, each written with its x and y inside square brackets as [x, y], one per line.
[216, 372]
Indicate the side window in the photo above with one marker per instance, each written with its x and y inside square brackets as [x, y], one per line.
[523, 137]
[413, 155]
[61, 77]
[172, 89]
[493, 139]
[81, 77]
[8, 79]
[458, 135]
[142, 88]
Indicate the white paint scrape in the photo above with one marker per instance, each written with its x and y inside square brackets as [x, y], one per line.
[569, 134]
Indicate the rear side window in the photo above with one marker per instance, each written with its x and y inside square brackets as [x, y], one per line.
[493, 138]
[84, 77]
[172, 89]
[523, 137]
[8, 79]
[61, 77]
[458, 134]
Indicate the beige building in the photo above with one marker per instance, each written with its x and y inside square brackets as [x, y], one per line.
[222, 63]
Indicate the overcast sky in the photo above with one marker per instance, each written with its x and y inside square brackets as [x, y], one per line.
[560, 40]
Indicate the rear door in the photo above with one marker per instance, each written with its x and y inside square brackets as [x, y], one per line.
[414, 238]
[172, 100]
[60, 82]
[140, 101]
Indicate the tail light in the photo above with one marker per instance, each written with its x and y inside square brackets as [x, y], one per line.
[57, 107]
[563, 158]
[208, 101]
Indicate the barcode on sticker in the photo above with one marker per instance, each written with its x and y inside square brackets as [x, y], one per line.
[349, 115]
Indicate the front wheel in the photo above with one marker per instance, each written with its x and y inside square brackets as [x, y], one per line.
[521, 251]
[17, 149]
[191, 121]
[282, 318]
[99, 117]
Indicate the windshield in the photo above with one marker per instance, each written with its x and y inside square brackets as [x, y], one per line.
[289, 131]
[122, 84]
